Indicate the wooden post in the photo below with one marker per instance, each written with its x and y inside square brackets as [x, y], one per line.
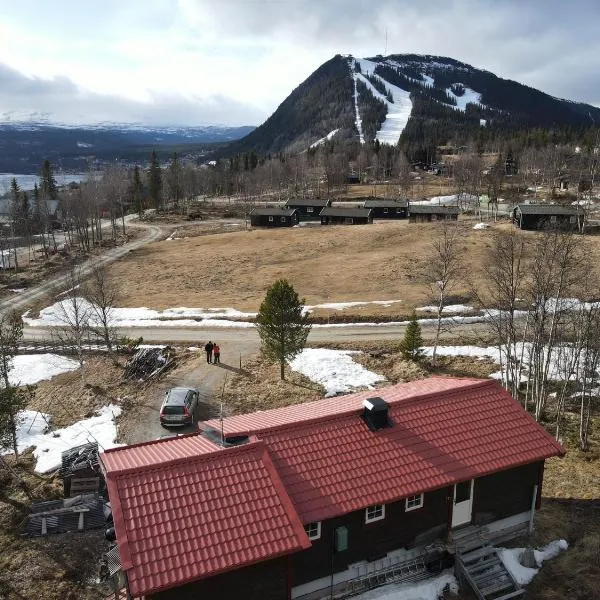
[532, 512]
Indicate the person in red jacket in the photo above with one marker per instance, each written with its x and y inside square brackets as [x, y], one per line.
[217, 353]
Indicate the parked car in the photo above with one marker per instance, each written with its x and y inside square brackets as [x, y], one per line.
[180, 407]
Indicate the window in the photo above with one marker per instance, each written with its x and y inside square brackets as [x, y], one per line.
[270, 218]
[283, 219]
[463, 492]
[385, 210]
[313, 530]
[348, 220]
[572, 219]
[552, 218]
[374, 513]
[399, 211]
[434, 217]
[309, 209]
[414, 502]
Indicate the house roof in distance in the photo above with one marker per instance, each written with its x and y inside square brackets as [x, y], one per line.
[307, 202]
[275, 212]
[340, 211]
[180, 517]
[429, 209]
[548, 209]
[383, 203]
[444, 431]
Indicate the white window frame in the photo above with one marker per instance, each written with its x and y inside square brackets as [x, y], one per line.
[309, 209]
[313, 535]
[283, 219]
[553, 219]
[398, 211]
[434, 217]
[270, 218]
[385, 209]
[375, 508]
[572, 220]
[414, 502]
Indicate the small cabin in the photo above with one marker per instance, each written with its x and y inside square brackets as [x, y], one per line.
[548, 216]
[274, 217]
[425, 213]
[346, 216]
[387, 209]
[308, 209]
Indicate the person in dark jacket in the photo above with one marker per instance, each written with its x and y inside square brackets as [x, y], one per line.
[217, 353]
[209, 350]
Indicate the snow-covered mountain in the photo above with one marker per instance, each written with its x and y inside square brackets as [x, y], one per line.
[24, 144]
[414, 96]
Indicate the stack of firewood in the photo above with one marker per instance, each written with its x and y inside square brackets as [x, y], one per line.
[147, 363]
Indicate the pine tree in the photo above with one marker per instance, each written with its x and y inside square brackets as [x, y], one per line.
[174, 178]
[48, 188]
[411, 345]
[135, 192]
[282, 326]
[155, 181]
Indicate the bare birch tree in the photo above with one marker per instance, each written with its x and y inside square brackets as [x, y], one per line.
[444, 270]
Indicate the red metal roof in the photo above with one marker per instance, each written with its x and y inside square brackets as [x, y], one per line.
[157, 451]
[445, 431]
[184, 518]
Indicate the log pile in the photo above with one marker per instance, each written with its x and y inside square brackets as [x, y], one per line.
[147, 363]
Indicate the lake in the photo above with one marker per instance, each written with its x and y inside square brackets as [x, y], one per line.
[26, 182]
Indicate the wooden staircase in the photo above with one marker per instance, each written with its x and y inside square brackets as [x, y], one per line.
[478, 564]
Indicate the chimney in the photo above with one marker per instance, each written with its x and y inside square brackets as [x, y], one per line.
[376, 413]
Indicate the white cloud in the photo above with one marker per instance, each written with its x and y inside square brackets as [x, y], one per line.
[235, 60]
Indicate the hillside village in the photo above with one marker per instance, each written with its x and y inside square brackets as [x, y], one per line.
[355, 354]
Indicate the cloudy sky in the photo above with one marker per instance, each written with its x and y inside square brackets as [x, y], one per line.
[194, 62]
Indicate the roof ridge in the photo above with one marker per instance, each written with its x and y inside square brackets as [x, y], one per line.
[351, 411]
[254, 445]
[150, 442]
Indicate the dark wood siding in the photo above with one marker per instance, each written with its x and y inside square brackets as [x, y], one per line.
[427, 217]
[505, 493]
[264, 581]
[369, 541]
[380, 212]
[336, 220]
[263, 220]
[534, 222]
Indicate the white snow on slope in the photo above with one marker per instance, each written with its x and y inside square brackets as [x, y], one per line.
[334, 370]
[452, 200]
[357, 119]
[523, 575]
[50, 446]
[324, 139]
[451, 308]
[398, 112]
[28, 369]
[430, 589]
[469, 97]
[344, 305]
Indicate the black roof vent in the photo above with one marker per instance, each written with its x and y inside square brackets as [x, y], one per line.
[376, 414]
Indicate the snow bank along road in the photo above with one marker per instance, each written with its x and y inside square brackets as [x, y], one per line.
[153, 233]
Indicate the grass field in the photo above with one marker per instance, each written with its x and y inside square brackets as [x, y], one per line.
[382, 261]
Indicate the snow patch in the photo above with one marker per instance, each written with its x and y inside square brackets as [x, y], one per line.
[524, 575]
[469, 97]
[49, 447]
[481, 226]
[452, 200]
[344, 305]
[430, 589]
[451, 308]
[324, 139]
[29, 369]
[334, 370]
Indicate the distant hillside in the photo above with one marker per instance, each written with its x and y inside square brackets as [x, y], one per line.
[23, 146]
[409, 98]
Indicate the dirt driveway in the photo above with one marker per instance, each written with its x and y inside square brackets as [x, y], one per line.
[209, 380]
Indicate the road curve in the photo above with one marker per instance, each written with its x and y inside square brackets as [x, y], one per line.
[153, 233]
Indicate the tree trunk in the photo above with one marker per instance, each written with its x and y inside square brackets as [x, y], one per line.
[282, 371]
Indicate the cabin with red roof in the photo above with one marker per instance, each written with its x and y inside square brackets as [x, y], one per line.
[302, 501]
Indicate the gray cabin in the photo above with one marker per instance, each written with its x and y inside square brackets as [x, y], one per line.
[424, 213]
[273, 217]
[308, 209]
[387, 209]
[346, 216]
[548, 216]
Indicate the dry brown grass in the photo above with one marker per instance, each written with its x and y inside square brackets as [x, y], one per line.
[325, 264]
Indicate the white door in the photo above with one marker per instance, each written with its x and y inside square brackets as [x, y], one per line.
[463, 503]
